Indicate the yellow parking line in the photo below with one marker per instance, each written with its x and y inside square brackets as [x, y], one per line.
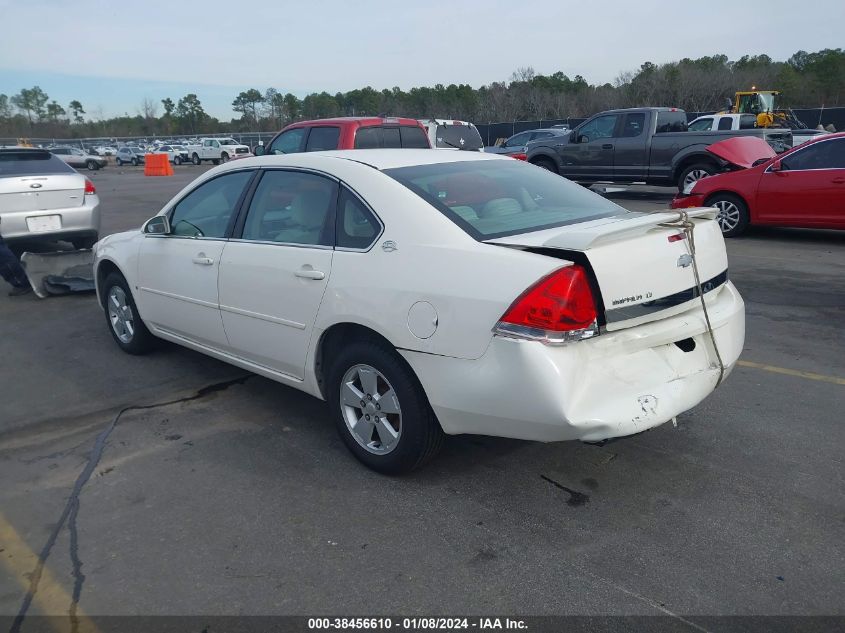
[793, 372]
[51, 597]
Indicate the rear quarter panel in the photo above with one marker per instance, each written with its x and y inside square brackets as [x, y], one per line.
[469, 284]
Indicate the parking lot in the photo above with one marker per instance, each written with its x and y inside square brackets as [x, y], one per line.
[224, 493]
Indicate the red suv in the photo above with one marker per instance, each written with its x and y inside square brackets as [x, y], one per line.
[347, 133]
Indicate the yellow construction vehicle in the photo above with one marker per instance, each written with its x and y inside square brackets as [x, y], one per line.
[24, 142]
[762, 103]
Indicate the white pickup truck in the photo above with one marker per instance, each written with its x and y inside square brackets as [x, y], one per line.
[217, 150]
[710, 122]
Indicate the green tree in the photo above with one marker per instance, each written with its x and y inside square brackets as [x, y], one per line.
[77, 111]
[246, 103]
[5, 108]
[190, 112]
[169, 106]
[54, 112]
[31, 101]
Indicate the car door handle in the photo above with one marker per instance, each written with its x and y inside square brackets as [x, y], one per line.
[203, 261]
[607, 146]
[310, 273]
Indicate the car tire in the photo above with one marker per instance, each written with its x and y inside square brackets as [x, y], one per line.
[372, 371]
[224, 157]
[545, 163]
[195, 159]
[85, 242]
[122, 317]
[695, 172]
[119, 162]
[92, 165]
[177, 160]
[733, 215]
[134, 162]
[215, 161]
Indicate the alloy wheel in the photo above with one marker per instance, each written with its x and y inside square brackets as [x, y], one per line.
[371, 410]
[728, 217]
[694, 176]
[121, 316]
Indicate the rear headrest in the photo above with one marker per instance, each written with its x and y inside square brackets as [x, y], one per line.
[500, 207]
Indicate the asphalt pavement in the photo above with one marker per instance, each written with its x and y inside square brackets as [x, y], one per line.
[230, 494]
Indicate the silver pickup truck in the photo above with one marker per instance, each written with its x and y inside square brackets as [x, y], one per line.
[650, 145]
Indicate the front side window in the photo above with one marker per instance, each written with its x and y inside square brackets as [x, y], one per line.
[322, 138]
[288, 142]
[357, 227]
[291, 207]
[207, 210]
[493, 198]
[821, 155]
[599, 128]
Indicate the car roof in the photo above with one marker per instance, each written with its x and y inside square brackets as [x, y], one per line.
[378, 158]
[356, 120]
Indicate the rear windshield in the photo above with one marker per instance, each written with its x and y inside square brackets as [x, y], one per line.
[31, 163]
[458, 136]
[495, 198]
[378, 137]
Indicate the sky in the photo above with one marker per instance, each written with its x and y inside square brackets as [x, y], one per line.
[112, 54]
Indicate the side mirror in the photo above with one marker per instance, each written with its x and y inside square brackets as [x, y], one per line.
[776, 166]
[157, 225]
[258, 150]
[583, 138]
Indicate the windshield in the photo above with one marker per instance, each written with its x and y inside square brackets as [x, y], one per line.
[495, 198]
[28, 163]
[228, 141]
[458, 136]
[767, 102]
[177, 147]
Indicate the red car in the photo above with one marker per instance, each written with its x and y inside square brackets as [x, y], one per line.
[347, 133]
[803, 187]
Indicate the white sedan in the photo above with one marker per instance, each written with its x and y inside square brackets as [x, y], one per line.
[423, 293]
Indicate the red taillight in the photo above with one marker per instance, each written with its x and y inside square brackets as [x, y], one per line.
[557, 309]
[520, 156]
[89, 187]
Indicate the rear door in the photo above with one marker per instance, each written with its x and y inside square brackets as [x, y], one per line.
[809, 190]
[275, 270]
[177, 273]
[591, 157]
[630, 156]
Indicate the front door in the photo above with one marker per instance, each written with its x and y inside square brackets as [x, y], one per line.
[808, 190]
[177, 273]
[591, 156]
[273, 276]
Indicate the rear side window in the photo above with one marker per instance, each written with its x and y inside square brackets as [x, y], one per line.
[634, 124]
[747, 121]
[413, 137]
[671, 121]
[357, 227]
[725, 123]
[322, 138]
[31, 163]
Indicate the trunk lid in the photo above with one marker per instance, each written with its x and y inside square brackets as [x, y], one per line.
[41, 192]
[643, 271]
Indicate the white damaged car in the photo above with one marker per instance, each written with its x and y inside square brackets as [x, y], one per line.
[427, 293]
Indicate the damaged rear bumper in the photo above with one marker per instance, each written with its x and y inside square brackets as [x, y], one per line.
[618, 384]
